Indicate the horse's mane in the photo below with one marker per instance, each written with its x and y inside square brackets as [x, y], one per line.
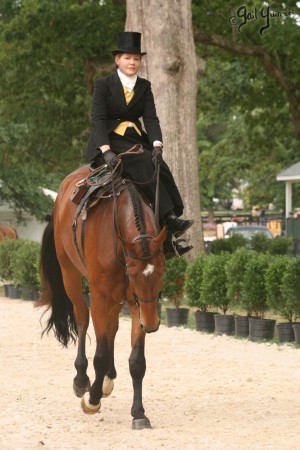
[138, 216]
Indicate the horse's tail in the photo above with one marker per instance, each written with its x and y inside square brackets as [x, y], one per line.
[54, 295]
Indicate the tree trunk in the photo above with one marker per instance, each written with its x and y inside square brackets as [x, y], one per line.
[171, 66]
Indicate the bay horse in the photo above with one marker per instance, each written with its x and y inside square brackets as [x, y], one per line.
[7, 231]
[122, 258]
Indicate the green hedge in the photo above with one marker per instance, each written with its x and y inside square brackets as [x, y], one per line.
[19, 262]
[246, 280]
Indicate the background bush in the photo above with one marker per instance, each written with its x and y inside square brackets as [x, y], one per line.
[8, 247]
[290, 289]
[254, 292]
[274, 275]
[193, 283]
[25, 263]
[174, 279]
[214, 285]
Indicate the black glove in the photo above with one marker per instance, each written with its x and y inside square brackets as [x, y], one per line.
[110, 158]
[157, 154]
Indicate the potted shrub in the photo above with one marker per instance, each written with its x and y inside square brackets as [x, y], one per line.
[229, 245]
[281, 245]
[214, 291]
[173, 289]
[260, 243]
[8, 248]
[194, 275]
[25, 271]
[290, 291]
[279, 296]
[235, 270]
[254, 295]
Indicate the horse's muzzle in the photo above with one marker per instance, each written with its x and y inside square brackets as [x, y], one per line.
[150, 328]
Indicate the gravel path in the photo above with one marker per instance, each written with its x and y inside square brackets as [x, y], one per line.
[200, 391]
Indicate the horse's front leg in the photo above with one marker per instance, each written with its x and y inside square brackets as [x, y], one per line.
[137, 367]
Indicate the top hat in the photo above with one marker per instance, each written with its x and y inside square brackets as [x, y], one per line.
[129, 42]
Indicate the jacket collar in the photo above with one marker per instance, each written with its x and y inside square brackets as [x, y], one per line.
[118, 91]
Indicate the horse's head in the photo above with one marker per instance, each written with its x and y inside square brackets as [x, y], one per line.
[145, 270]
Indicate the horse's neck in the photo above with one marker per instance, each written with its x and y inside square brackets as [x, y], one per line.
[137, 216]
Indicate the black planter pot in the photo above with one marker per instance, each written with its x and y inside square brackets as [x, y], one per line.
[205, 321]
[27, 293]
[261, 329]
[241, 326]
[6, 290]
[296, 328]
[14, 291]
[285, 332]
[177, 316]
[37, 294]
[224, 324]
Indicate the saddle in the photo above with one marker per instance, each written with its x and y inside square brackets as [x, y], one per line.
[100, 183]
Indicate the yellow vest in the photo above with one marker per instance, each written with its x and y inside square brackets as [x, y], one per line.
[122, 127]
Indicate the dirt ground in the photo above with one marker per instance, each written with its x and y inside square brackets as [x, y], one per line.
[200, 391]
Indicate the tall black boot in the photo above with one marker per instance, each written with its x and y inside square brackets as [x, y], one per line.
[177, 226]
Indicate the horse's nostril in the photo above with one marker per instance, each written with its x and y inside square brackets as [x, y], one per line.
[150, 329]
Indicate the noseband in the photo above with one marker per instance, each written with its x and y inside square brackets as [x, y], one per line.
[138, 300]
[145, 257]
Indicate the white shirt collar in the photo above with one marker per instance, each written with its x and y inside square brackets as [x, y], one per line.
[128, 82]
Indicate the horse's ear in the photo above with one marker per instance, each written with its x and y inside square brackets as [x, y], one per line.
[160, 239]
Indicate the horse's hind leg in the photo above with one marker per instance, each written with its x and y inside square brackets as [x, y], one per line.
[73, 285]
[113, 325]
[105, 320]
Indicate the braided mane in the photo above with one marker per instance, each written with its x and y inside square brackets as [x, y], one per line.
[138, 216]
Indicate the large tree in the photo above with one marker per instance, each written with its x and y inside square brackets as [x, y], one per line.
[171, 67]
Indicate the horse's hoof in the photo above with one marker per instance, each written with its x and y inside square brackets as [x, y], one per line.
[107, 387]
[87, 407]
[141, 424]
[79, 391]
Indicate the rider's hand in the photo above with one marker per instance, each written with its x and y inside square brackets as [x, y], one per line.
[157, 154]
[110, 158]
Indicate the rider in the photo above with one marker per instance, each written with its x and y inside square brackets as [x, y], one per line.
[119, 101]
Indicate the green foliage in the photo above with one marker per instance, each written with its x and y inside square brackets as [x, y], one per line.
[8, 248]
[235, 272]
[174, 278]
[254, 292]
[260, 243]
[290, 289]
[281, 245]
[25, 264]
[51, 51]
[279, 265]
[193, 282]
[214, 284]
[230, 244]
[234, 138]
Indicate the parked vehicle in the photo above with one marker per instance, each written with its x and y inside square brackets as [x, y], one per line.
[248, 231]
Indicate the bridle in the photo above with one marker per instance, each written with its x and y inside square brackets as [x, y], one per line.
[137, 299]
